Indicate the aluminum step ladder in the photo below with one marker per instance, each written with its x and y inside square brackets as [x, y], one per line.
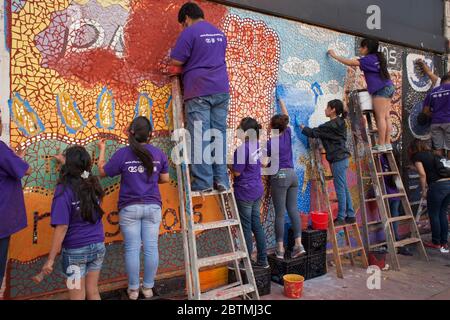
[350, 230]
[190, 229]
[364, 135]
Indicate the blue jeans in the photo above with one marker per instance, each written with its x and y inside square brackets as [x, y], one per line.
[438, 200]
[212, 112]
[4, 245]
[394, 206]
[345, 205]
[140, 225]
[80, 261]
[250, 214]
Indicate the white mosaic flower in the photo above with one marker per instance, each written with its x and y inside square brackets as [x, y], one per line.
[340, 48]
[305, 68]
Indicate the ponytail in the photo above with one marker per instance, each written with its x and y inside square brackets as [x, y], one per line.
[76, 174]
[373, 46]
[90, 193]
[139, 132]
[338, 106]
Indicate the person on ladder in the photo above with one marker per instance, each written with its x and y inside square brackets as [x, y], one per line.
[380, 86]
[200, 50]
[334, 138]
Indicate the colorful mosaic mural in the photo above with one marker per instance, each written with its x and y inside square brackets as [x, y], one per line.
[81, 70]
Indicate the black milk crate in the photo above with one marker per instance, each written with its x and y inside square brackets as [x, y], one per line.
[316, 266]
[170, 287]
[281, 267]
[262, 278]
[314, 241]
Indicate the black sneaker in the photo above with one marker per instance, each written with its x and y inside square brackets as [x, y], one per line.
[258, 265]
[350, 220]
[220, 187]
[404, 251]
[339, 222]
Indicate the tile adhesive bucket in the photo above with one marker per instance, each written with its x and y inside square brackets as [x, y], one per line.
[319, 220]
[293, 286]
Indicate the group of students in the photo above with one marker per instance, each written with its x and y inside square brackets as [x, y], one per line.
[77, 213]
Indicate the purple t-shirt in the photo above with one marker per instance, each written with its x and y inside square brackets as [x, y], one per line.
[66, 211]
[201, 47]
[246, 161]
[136, 187]
[439, 102]
[13, 217]
[285, 149]
[370, 65]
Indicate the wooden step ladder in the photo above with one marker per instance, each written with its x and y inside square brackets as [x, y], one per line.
[189, 229]
[364, 138]
[350, 230]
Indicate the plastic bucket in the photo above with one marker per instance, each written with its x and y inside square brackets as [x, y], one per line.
[293, 286]
[304, 218]
[365, 100]
[319, 220]
[377, 258]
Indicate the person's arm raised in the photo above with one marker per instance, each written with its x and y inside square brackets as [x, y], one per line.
[347, 62]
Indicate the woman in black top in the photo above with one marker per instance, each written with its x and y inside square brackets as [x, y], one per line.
[438, 194]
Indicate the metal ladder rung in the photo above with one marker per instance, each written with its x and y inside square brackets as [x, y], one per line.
[228, 292]
[208, 194]
[370, 200]
[220, 259]
[215, 225]
[347, 225]
[406, 242]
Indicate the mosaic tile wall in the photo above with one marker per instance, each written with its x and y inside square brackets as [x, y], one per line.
[81, 70]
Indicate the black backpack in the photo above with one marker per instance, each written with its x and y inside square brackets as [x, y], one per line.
[442, 166]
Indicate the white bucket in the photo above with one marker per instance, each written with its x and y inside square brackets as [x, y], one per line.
[365, 100]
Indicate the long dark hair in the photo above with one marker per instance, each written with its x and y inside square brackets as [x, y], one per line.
[249, 123]
[87, 190]
[338, 106]
[373, 46]
[416, 146]
[140, 132]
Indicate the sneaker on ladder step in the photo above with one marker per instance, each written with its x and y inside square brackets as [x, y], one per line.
[389, 147]
[379, 148]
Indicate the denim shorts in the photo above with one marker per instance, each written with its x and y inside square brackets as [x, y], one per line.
[80, 261]
[386, 92]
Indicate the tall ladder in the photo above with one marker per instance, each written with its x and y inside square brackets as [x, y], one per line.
[350, 230]
[364, 136]
[189, 229]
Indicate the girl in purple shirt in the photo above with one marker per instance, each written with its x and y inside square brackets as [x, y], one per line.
[248, 188]
[76, 215]
[284, 184]
[380, 86]
[13, 217]
[141, 167]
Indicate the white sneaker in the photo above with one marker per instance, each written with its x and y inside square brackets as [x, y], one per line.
[148, 293]
[133, 294]
[444, 249]
[389, 147]
[379, 148]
